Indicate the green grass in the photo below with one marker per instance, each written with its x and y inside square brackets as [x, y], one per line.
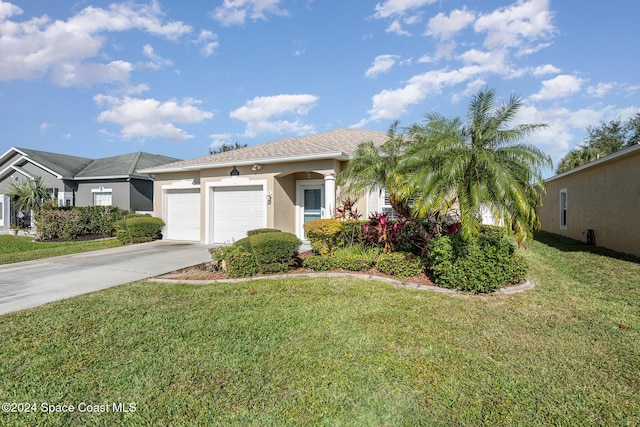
[339, 351]
[22, 248]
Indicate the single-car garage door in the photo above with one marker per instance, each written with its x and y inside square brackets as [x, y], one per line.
[183, 214]
[237, 210]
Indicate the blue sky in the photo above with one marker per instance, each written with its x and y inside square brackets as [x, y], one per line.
[99, 78]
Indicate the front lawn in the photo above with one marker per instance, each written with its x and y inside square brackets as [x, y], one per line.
[23, 248]
[338, 351]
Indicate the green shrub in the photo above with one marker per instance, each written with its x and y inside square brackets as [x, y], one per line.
[240, 262]
[271, 252]
[262, 231]
[68, 223]
[324, 235]
[352, 258]
[139, 229]
[58, 224]
[275, 252]
[320, 262]
[479, 265]
[401, 264]
[355, 258]
[100, 220]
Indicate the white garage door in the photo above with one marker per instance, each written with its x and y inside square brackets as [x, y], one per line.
[183, 215]
[237, 210]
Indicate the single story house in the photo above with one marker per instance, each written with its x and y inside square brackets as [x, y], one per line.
[80, 181]
[280, 184]
[598, 202]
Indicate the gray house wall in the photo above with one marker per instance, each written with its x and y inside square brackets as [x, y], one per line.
[119, 195]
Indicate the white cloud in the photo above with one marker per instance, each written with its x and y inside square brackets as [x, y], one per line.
[381, 64]
[157, 62]
[546, 69]
[8, 10]
[391, 8]
[209, 41]
[558, 87]
[147, 118]
[34, 48]
[445, 27]
[599, 90]
[236, 12]
[517, 26]
[390, 104]
[69, 74]
[259, 114]
[396, 28]
[566, 128]
[44, 127]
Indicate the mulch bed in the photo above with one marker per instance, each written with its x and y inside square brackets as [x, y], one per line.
[205, 271]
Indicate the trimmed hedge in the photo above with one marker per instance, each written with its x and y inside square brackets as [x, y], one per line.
[324, 235]
[240, 262]
[480, 265]
[262, 231]
[401, 264]
[264, 253]
[139, 229]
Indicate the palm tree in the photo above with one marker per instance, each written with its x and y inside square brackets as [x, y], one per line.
[479, 163]
[577, 157]
[372, 167]
[29, 195]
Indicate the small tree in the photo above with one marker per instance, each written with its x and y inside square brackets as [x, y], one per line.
[29, 195]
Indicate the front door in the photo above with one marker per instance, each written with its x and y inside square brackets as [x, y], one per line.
[311, 204]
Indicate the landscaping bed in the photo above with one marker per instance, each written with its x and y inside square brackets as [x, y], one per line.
[205, 271]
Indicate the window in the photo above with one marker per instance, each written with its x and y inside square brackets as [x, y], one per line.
[563, 209]
[385, 206]
[102, 196]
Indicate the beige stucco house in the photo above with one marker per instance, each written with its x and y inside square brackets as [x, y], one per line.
[603, 196]
[280, 184]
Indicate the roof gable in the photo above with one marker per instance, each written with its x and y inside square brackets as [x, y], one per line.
[64, 165]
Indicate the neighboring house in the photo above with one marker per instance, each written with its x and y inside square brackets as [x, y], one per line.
[598, 202]
[280, 184]
[79, 181]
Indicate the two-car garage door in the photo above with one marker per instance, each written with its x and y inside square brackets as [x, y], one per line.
[235, 210]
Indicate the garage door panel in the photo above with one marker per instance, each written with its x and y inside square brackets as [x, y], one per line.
[237, 210]
[183, 215]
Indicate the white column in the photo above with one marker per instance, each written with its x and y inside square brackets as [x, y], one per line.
[329, 195]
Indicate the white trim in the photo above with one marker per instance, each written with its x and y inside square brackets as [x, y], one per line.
[301, 185]
[562, 220]
[234, 181]
[178, 185]
[102, 190]
[338, 155]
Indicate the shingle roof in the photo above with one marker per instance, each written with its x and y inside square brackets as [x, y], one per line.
[122, 165]
[67, 166]
[70, 167]
[330, 144]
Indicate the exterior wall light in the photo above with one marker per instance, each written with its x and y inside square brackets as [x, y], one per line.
[256, 167]
[234, 172]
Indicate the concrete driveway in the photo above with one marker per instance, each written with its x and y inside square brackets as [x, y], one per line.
[32, 283]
